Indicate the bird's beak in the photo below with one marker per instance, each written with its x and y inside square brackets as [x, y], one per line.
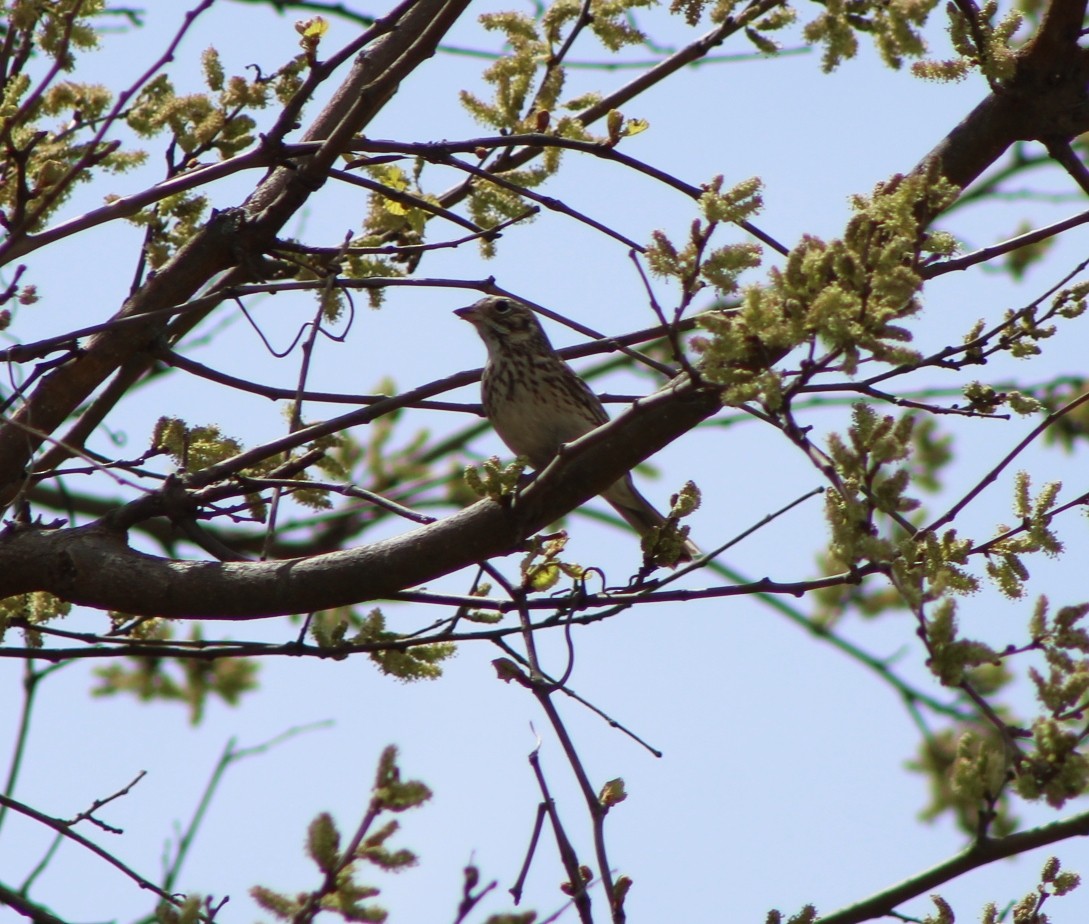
[468, 313]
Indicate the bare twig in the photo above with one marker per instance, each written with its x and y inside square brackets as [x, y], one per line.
[64, 830]
[993, 474]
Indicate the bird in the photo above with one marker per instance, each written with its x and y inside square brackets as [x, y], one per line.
[537, 403]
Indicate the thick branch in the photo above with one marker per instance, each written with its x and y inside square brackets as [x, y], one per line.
[1048, 98]
[234, 238]
[94, 566]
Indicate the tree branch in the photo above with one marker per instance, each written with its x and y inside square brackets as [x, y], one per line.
[235, 237]
[979, 854]
[94, 566]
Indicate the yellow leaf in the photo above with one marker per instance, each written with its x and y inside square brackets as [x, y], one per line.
[312, 28]
[544, 577]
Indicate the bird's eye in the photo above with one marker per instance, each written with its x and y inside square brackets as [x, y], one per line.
[502, 305]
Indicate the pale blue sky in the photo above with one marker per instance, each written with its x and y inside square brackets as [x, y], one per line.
[783, 780]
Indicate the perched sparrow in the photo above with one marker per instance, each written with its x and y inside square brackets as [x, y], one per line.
[537, 403]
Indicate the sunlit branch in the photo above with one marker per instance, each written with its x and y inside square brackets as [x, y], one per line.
[993, 474]
[549, 202]
[979, 854]
[441, 150]
[22, 243]
[407, 199]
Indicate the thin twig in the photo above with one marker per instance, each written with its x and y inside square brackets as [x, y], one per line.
[63, 829]
[439, 151]
[986, 254]
[568, 857]
[993, 474]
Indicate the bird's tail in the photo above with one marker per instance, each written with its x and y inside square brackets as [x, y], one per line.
[641, 515]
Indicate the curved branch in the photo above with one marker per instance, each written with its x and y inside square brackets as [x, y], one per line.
[979, 854]
[235, 237]
[93, 565]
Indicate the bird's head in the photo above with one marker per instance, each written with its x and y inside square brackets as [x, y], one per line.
[504, 322]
